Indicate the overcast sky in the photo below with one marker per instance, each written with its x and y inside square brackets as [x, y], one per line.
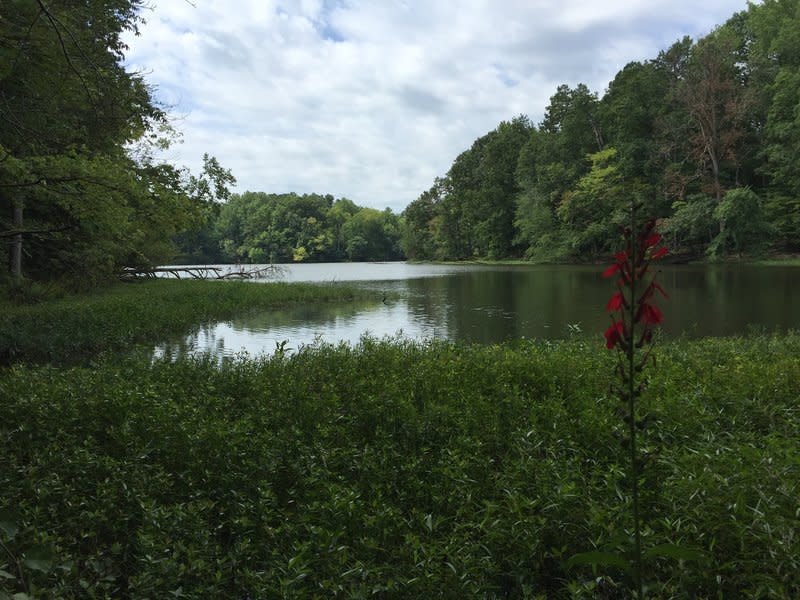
[372, 99]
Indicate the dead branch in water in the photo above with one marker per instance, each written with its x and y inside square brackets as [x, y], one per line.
[203, 273]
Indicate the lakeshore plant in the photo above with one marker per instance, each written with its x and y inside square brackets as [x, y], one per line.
[633, 317]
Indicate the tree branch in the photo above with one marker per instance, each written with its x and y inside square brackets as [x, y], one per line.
[54, 23]
[15, 232]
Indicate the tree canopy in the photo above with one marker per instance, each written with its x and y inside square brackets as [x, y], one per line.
[260, 228]
[69, 111]
[705, 136]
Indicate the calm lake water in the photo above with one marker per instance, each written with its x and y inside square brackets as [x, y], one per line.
[488, 304]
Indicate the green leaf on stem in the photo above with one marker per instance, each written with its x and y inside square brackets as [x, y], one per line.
[39, 558]
[9, 523]
[673, 551]
[605, 559]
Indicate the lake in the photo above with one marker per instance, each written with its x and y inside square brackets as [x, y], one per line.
[489, 304]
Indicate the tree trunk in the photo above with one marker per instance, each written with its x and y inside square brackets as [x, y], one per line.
[16, 244]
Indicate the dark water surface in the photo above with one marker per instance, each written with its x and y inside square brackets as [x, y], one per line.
[488, 304]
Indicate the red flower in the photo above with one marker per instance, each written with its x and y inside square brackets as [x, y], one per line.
[614, 334]
[616, 302]
[631, 266]
[652, 240]
[650, 314]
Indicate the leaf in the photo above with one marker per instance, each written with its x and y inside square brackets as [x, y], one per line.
[39, 558]
[607, 559]
[429, 522]
[673, 551]
[6, 575]
[9, 523]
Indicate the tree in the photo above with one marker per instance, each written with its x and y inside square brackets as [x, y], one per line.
[260, 227]
[418, 226]
[630, 112]
[773, 35]
[747, 229]
[550, 162]
[207, 191]
[573, 113]
[68, 111]
[718, 103]
[372, 235]
[476, 211]
[595, 207]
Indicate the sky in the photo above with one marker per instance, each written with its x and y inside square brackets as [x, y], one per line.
[373, 99]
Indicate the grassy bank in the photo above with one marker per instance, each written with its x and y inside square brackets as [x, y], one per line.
[78, 327]
[397, 470]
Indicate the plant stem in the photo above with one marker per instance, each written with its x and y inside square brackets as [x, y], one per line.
[637, 570]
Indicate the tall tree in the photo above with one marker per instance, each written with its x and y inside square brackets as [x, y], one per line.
[718, 102]
[419, 225]
[630, 112]
[208, 191]
[68, 110]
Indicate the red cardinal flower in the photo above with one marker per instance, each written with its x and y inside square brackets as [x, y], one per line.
[636, 316]
[649, 314]
[633, 319]
[652, 240]
[616, 302]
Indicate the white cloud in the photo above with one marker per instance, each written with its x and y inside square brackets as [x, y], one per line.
[373, 99]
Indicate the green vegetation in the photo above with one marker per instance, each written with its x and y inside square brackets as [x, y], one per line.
[402, 470]
[261, 228]
[78, 327]
[705, 135]
[391, 469]
[82, 193]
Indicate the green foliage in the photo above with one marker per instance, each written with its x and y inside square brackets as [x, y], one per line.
[71, 112]
[692, 223]
[470, 213]
[593, 212]
[418, 229]
[400, 470]
[746, 228]
[258, 227]
[197, 244]
[703, 118]
[74, 328]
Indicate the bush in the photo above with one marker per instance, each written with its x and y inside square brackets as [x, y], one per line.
[399, 470]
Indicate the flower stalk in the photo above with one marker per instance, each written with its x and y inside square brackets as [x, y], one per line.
[633, 317]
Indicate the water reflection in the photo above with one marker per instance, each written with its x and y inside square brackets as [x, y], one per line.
[495, 304]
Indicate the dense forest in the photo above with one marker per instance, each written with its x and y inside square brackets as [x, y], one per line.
[706, 135]
[257, 227]
[80, 192]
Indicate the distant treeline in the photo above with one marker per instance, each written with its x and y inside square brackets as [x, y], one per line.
[706, 136]
[259, 228]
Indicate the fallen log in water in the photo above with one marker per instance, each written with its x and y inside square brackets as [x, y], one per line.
[203, 272]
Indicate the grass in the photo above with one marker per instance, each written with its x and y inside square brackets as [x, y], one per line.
[793, 261]
[78, 327]
[399, 470]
